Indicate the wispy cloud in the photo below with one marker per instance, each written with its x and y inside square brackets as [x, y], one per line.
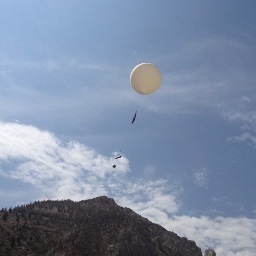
[201, 178]
[213, 74]
[51, 64]
[77, 172]
[246, 119]
[246, 99]
[244, 137]
[247, 123]
[69, 85]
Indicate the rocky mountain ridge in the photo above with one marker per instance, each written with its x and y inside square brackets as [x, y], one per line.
[90, 227]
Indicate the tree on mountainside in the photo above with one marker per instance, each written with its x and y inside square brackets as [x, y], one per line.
[5, 216]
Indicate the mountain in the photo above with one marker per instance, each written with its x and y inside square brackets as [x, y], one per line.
[95, 227]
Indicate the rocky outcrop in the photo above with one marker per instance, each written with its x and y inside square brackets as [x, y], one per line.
[209, 252]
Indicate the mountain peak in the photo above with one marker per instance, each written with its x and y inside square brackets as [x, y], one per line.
[89, 227]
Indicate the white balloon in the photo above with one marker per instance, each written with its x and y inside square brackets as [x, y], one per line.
[145, 78]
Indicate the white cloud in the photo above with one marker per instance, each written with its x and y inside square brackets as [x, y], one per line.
[201, 178]
[156, 195]
[247, 120]
[77, 172]
[244, 137]
[228, 236]
[57, 170]
[246, 99]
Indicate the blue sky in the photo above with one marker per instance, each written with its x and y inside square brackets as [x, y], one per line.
[66, 105]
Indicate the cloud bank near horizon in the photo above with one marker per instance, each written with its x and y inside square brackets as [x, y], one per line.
[77, 172]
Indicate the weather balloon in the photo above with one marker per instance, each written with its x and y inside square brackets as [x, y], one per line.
[145, 78]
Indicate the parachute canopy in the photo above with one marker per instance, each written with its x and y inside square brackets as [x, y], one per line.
[145, 78]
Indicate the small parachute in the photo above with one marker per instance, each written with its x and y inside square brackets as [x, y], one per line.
[145, 78]
[116, 158]
[134, 117]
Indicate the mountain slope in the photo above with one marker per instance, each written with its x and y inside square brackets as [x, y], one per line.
[91, 227]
